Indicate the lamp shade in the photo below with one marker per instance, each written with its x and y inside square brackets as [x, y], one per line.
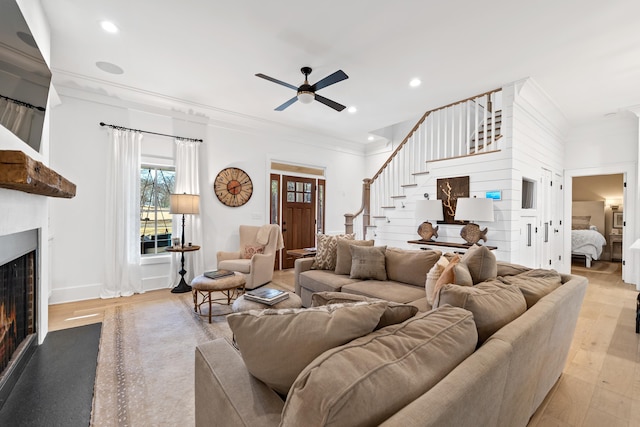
[429, 210]
[474, 209]
[184, 204]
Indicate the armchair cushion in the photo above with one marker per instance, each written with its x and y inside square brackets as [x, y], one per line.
[240, 265]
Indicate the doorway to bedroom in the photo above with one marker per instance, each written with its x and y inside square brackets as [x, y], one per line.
[597, 223]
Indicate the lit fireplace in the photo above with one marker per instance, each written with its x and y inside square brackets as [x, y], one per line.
[18, 284]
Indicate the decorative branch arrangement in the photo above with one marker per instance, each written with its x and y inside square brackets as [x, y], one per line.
[449, 189]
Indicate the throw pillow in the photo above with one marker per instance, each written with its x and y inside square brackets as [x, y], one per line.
[343, 260]
[492, 303]
[395, 312]
[276, 346]
[326, 251]
[462, 275]
[433, 275]
[368, 262]
[250, 251]
[481, 263]
[410, 266]
[580, 222]
[534, 284]
[367, 380]
[447, 276]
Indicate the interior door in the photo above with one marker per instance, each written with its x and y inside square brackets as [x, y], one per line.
[298, 215]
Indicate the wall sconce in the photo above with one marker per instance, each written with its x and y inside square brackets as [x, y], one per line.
[474, 209]
[428, 210]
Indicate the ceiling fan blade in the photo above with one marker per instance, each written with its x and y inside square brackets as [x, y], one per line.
[271, 79]
[330, 103]
[289, 102]
[336, 77]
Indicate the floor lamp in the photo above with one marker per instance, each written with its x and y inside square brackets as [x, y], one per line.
[185, 204]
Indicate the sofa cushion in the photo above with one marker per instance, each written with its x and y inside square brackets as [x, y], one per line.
[369, 379]
[410, 266]
[492, 303]
[323, 280]
[326, 251]
[508, 269]
[368, 262]
[534, 284]
[481, 263]
[386, 290]
[343, 260]
[394, 313]
[276, 346]
[433, 275]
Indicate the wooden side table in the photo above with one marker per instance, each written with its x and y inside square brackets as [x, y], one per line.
[182, 286]
[301, 253]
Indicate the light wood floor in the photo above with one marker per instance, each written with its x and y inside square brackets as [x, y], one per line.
[600, 385]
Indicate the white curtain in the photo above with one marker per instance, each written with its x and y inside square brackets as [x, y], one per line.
[122, 260]
[17, 118]
[187, 173]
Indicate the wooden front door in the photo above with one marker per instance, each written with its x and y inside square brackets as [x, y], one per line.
[298, 215]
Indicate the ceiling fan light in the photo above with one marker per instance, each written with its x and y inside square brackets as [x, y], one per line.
[306, 97]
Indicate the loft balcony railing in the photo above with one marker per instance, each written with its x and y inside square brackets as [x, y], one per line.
[464, 128]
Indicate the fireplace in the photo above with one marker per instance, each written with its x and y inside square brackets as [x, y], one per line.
[18, 284]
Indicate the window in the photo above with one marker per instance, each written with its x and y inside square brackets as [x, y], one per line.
[156, 185]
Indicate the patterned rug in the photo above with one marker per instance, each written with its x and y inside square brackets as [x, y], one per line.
[145, 371]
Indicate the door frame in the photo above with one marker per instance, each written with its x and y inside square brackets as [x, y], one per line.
[281, 168]
[630, 269]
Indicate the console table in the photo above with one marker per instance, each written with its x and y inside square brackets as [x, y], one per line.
[182, 286]
[453, 247]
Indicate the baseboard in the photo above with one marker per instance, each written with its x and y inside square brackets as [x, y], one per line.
[92, 291]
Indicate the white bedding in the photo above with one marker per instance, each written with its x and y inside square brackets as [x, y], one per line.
[587, 242]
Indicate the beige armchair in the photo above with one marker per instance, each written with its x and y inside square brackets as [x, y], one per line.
[258, 269]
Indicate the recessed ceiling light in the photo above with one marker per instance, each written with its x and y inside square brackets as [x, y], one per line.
[415, 83]
[370, 138]
[352, 109]
[109, 27]
[108, 67]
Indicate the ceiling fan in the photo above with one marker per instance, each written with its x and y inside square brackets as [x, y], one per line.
[307, 93]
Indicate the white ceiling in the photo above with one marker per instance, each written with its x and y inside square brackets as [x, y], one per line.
[584, 53]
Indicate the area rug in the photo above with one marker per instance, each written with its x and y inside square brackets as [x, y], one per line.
[145, 373]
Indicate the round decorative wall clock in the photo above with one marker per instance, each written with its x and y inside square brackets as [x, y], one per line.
[233, 187]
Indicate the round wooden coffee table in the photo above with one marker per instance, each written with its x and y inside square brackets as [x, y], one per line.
[230, 286]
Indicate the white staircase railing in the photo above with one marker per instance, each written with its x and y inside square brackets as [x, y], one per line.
[464, 128]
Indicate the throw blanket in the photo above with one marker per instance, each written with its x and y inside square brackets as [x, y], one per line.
[262, 237]
[587, 242]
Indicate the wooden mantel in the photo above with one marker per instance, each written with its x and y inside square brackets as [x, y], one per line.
[20, 172]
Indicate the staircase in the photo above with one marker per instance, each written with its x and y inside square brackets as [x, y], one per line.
[469, 127]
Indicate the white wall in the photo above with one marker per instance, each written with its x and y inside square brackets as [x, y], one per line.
[79, 145]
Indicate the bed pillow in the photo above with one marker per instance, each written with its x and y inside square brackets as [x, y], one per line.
[580, 222]
[277, 344]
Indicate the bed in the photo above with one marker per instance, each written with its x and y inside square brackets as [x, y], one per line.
[586, 222]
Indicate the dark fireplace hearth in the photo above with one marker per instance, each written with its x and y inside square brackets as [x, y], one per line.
[18, 282]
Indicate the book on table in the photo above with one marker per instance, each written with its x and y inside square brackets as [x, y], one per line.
[267, 296]
[216, 274]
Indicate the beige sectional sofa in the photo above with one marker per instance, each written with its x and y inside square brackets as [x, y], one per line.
[423, 371]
